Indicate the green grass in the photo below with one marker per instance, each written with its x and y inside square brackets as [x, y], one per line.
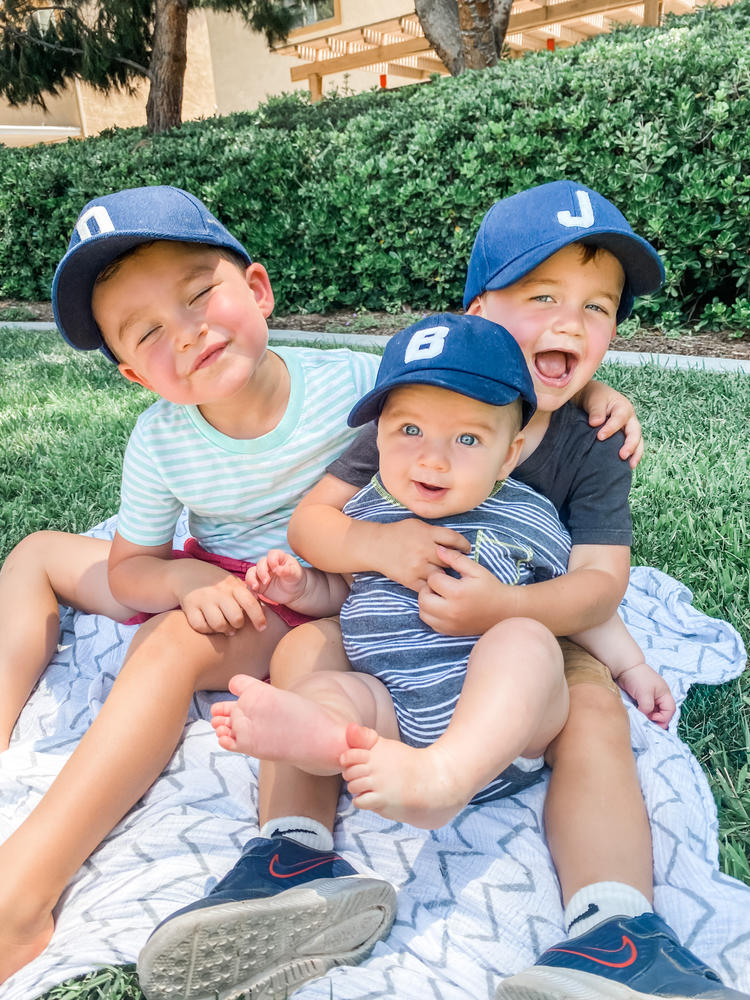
[65, 418]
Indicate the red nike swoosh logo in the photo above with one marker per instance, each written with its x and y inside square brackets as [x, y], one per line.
[626, 946]
[297, 869]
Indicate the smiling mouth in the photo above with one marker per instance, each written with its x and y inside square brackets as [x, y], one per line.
[427, 490]
[208, 357]
[555, 368]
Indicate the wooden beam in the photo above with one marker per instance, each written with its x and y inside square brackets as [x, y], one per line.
[315, 86]
[410, 72]
[555, 13]
[652, 12]
[357, 60]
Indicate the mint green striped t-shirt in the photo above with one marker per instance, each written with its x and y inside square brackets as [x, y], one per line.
[240, 493]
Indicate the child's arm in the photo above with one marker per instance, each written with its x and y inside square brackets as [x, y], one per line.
[146, 577]
[405, 551]
[613, 411]
[586, 596]
[613, 645]
[279, 578]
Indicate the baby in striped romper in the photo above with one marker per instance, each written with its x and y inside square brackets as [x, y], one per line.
[426, 723]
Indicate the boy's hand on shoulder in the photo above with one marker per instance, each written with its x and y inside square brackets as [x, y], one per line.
[214, 600]
[610, 411]
[409, 551]
[277, 578]
[649, 691]
[463, 605]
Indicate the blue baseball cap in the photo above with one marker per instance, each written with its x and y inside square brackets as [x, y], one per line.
[110, 226]
[520, 232]
[466, 354]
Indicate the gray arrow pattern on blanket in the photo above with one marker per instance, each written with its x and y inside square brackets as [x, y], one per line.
[478, 900]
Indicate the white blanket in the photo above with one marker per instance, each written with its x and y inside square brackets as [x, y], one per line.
[478, 900]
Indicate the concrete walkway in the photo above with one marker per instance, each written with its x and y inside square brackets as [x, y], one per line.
[679, 361]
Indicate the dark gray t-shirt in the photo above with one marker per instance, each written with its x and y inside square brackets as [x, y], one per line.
[585, 479]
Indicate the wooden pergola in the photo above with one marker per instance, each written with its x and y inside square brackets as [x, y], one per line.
[398, 47]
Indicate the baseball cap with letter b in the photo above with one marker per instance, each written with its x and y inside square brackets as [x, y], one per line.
[520, 232]
[110, 226]
[466, 354]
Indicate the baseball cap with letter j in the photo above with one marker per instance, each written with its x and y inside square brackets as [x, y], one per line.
[520, 232]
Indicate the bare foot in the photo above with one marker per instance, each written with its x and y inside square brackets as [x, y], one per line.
[278, 725]
[416, 785]
[19, 946]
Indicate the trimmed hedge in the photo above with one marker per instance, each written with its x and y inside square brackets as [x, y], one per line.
[373, 200]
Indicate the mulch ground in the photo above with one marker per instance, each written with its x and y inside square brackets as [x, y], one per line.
[710, 345]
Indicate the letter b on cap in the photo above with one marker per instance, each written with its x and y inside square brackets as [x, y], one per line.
[427, 343]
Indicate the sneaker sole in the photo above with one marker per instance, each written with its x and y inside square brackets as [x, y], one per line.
[554, 983]
[263, 949]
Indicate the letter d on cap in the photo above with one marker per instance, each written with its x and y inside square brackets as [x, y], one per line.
[100, 216]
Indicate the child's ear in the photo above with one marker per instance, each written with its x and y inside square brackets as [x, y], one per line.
[511, 459]
[259, 284]
[475, 307]
[132, 376]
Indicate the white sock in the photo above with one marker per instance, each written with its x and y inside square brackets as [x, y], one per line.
[601, 901]
[300, 828]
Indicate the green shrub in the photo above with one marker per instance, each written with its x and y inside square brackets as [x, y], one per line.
[373, 200]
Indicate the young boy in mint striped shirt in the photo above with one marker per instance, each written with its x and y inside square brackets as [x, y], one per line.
[239, 435]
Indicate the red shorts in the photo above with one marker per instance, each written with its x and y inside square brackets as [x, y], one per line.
[237, 567]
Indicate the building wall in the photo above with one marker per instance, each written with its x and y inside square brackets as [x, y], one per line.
[246, 73]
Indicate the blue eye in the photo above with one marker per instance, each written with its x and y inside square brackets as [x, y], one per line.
[411, 430]
[468, 439]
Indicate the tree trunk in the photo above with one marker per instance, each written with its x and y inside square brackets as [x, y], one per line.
[477, 32]
[168, 60]
[439, 20]
[500, 20]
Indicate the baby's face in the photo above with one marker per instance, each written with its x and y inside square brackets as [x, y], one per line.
[441, 453]
[563, 316]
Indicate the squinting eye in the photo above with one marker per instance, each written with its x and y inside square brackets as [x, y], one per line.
[201, 293]
[468, 439]
[147, 334]
[411, 430]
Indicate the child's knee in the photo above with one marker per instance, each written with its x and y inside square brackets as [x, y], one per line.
[597, 724]
[305, 649]
[31, 550]
[529, 640]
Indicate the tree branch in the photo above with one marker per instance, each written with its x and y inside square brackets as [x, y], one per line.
[17, 33]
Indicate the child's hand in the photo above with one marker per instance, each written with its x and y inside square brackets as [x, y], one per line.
[467, 605]
[649, 691]
[408, 551]
[213, 600]
[610, 411]
[277, 578]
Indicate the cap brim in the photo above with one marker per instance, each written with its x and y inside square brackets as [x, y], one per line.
[485, 390]
[644, 271]
[74, 281]
[642, 265]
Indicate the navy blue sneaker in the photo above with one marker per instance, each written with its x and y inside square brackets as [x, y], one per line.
[283, 915]
[624, 958]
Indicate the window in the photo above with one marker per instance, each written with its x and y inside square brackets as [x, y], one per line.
[308, 12]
